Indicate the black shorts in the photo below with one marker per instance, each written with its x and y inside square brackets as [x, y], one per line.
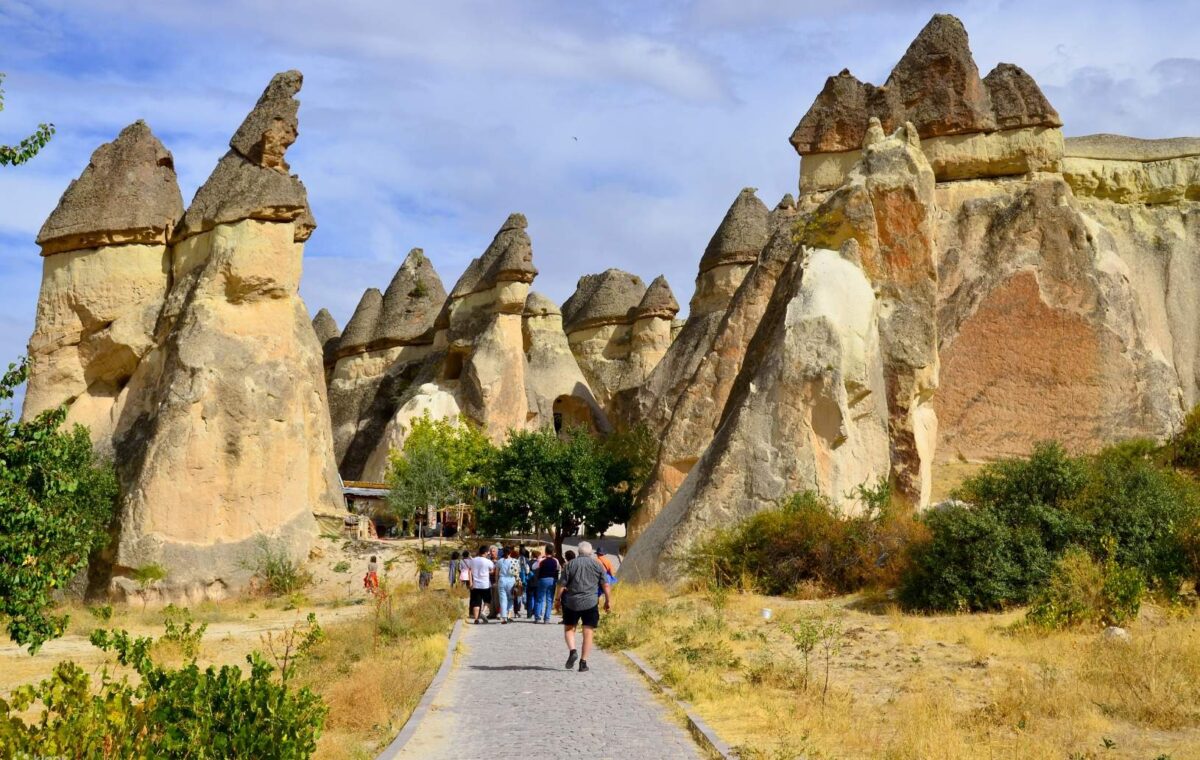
[480, 597]
[589, 618]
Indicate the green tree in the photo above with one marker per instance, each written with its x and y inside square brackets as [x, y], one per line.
[443, 462]
[56, 503]
[629, 458]
[12, 155]
[540, 480]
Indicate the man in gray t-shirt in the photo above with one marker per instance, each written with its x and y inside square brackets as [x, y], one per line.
[582, 578]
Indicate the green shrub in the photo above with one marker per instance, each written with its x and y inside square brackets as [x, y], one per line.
[275, 570]
[1183, 450]
[56, 502]
[973, 562]
[181, 630]
[1145, 508]
[999, 544]
[184, 712]
[1082, 591]
[342, 567]
[805, 541]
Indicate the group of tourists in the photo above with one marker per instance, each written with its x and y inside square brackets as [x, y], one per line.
[506, 581]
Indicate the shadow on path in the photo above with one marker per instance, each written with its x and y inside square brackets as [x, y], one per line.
[511, 667]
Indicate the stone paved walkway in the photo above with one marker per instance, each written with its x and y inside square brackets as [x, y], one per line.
[509, 693]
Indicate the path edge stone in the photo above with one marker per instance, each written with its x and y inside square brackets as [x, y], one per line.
[410, 726]
[701, 731]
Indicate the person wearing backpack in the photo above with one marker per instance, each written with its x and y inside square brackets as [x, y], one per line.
[508, 569]
[529, 579]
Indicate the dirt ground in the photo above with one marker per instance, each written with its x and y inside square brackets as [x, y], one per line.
[235, 627]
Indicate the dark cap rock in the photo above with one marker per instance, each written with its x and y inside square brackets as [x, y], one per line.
[251, 181]
[410, 303]
[509, 257]
[609, 297]
[328, 335]
[935, 85]
[128, 193]
[1017, 101]
[269, 130]
[360, 330]
[658, 301]
[741, 235]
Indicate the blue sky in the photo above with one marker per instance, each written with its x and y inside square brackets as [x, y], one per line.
[622, 130]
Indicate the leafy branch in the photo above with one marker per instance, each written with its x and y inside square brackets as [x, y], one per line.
[13, 155]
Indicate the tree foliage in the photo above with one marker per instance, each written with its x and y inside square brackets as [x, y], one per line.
[12, 155]
[443, 462]
[542, 480]
[806, 544]
[56, 503]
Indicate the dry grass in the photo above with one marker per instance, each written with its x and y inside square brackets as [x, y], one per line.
[372, 684]
[915, 687]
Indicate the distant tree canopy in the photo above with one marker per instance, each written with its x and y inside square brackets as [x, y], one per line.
[12, 155]
[56, 503]
[543, 481]
[536, 481]
[443, 462]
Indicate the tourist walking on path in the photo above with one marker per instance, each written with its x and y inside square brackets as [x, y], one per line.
[454, 561]
[547, 579]
[494, 608]
[481, 583]
[582, 576]
[529, 580]
[508, 571]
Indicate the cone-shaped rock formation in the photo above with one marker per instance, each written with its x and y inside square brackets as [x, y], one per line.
[229, 408]
[104, 277]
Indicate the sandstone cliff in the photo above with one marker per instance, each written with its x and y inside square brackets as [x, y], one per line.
[618, 331]
[835, 383]
[377, 357]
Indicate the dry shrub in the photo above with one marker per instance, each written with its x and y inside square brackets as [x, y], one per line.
[806, 547]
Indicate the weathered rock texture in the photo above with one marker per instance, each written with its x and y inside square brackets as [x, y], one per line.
[559, 394]
[682, 400]
[251, 181]
[970, 127]
[104, 277]
[954, 281]
[493, 353]
[377, 358]
[1062, 306]
[328, 335]
[618, 331]
[833, 388]
[195, 364]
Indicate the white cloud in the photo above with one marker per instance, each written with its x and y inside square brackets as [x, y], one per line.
[623, 130]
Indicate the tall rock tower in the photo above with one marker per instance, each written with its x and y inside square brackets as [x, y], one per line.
[225, 438]
[105, 273]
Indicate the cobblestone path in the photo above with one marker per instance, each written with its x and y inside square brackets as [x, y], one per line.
[509, 693]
